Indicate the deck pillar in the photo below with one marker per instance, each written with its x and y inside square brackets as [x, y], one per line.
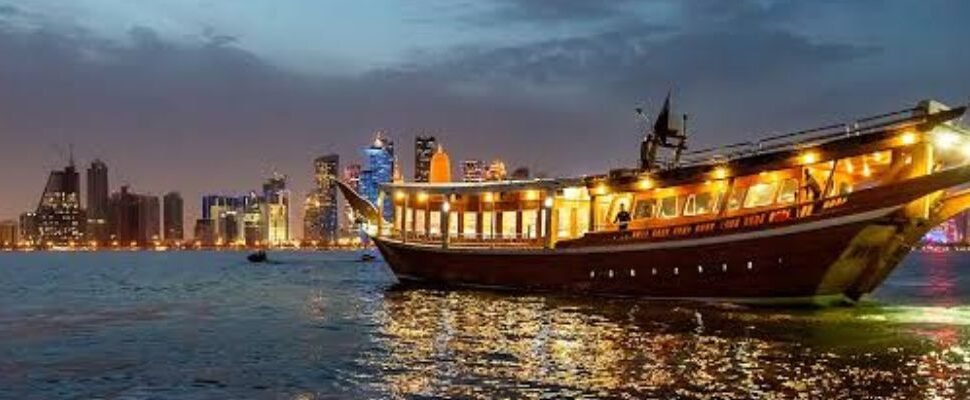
[445, 225]
[549, 208]
[404, 218]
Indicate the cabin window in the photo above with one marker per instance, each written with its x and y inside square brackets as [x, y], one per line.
[488, 224]
[419, 224]
[734, 201]
[508, 224]
[645, 209]
[788, 191]
[760, 195]
[668, 207]
[470, 224]
[689, 208]
[434, 223]
[706, 203]
[530, 224]
[453, 223]
[699, 204]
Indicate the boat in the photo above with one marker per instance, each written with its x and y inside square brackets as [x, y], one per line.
[367, 257]
[257, 257]
[819, 216]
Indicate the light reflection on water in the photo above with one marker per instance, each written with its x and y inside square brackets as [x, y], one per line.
[322, 326]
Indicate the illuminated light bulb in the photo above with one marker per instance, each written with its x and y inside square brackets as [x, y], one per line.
[866, 172]
[488, 197]
[422, 197]
[720, 173]
[445, 207]
[548, 202]
[602, 189]
[946, 139]
[399, 195]
[809, 157]
[907, 138]
[849, 167]
[645, 183]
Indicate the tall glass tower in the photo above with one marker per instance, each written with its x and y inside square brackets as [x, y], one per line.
[379, 170]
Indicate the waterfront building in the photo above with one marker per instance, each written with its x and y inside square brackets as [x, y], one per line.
[29, 233]
[473, 171]
[440, 166]
[173, 216]
[424, 149]
[60, 219]
[496, 171]
[8, 234]
[351, 177]
[97, 202]
[321, 212]
[379, 170]
[204, 232]
[133, 218]
[276, 210]
[253, 225]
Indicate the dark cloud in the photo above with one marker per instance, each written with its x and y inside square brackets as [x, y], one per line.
[552, 11]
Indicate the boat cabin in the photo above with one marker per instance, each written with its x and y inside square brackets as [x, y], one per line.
[746, 186]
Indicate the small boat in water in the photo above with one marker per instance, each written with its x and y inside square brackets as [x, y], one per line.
[257, 257]
[367, 257]
[817, 216]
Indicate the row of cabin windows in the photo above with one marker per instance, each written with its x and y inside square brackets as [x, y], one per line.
[754, 196]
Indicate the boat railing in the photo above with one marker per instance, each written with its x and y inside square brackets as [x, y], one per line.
[467, 239]
[800, 139]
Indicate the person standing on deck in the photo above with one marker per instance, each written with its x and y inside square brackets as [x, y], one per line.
[622, 219]
[813, 189]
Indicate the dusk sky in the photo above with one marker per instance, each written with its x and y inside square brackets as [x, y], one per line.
[208, 96]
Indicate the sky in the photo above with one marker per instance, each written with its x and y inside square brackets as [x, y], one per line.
[211, 96]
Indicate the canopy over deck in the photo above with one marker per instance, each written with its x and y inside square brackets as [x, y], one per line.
[481, 187]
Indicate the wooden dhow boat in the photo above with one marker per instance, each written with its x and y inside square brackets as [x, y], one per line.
[817, 216]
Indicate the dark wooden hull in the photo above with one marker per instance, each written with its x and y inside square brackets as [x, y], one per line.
[785, 267]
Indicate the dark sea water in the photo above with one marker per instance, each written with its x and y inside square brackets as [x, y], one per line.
[321, 325]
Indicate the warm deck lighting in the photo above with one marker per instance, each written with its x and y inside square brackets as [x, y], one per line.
[720, 173]
[488, 197]
[530, 195]
[966, 150]
[946, 139]
[399, 195]
[445, 207]
[602, 189]
[645, 183]
[548, 202]
[422, 197]
[809, 157]
[907, 138]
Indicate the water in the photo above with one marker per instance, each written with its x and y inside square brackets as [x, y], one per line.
[321, 326]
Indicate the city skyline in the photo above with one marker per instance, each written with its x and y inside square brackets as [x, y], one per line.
[233, 99]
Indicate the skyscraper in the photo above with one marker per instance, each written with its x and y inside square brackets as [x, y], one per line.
[440, 166]
[134, 218]
[473, 171]
[60, 219]
[173, 216]
[276, 210]
[97, 197]
[28, 228]
[320, 221]
[379, 170]
[351, 177]
[8, 234]
[424, 149]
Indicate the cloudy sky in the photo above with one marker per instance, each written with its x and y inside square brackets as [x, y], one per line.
[211, 96]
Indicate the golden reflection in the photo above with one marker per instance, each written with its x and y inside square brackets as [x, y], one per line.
[481, 345]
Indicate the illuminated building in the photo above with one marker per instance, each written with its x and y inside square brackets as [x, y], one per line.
[320, 218]
[473, 171]
[252, 220]
[173, 206]
[521, 174]
[496, 171]
[97, 198]
[379, 170]
[276, 211]
[424, 149]
[60, 219]
[440, 166]
[351, 177]
[28, 228]
[8, 233]
[133, 218]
